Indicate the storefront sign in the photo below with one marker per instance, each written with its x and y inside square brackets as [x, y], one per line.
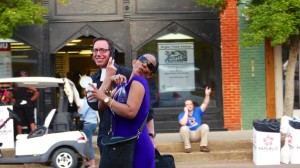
[5, 60]
[176, 67]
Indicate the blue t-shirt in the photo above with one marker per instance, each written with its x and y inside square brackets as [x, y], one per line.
[194, 121]
[87, 114]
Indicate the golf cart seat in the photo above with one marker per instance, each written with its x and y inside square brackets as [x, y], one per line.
[49, 118]
[41, 130]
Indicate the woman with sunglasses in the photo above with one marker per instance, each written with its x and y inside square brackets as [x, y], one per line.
[128, 117]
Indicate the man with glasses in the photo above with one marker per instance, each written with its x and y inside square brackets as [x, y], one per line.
[103, 49]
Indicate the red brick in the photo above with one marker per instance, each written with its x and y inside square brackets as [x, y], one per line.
[230, 66]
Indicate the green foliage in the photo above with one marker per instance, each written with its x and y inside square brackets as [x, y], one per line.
[217, 5]
[277, 20]
[16, 13]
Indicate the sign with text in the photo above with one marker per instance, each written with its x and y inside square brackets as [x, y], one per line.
[266, 148]
[5, 60]
[293, 136]
[6, 132]
[176, 66]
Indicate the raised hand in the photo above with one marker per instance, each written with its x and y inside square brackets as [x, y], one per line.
[110, 68]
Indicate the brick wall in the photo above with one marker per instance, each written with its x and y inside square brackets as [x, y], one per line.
[231, 67]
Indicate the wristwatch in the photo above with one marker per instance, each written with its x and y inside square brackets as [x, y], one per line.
[153, 135]
[106, 100]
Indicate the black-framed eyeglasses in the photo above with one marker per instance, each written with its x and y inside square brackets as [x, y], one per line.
[149, 64]
[101, 50]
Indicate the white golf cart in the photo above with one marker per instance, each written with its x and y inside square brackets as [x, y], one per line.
[56, 142]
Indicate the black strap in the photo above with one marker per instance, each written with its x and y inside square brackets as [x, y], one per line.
[143, 124]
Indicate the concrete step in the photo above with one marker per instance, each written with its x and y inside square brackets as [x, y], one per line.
[225, 155]
[225, 146]
[213, 146]
[219, 151]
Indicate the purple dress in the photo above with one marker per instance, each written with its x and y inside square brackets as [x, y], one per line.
[144, 150]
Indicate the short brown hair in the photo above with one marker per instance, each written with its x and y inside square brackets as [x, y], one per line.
[110, 44]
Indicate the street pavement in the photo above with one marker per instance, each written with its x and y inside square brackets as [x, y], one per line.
[174, 137]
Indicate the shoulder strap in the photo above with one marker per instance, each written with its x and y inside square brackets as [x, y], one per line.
[140, 130]
[143, 124]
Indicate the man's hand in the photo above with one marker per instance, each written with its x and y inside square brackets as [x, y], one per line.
[110, 68]
[207, 91]
[206, 99]
[185, 109]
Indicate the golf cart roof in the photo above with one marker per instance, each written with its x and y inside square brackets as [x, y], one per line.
[66, 86]
[37, 82]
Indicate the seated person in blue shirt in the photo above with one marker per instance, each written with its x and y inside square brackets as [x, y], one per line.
[192, 129]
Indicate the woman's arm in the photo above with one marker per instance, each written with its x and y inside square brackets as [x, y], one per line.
[134, 101]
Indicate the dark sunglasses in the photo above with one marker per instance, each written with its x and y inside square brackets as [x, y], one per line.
[150, 66]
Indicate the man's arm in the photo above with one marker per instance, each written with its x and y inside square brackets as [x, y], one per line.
[35, 92]
[205, 103]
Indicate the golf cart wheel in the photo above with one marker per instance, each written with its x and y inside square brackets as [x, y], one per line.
[64, 158]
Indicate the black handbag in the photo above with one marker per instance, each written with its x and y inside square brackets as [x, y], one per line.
[118, 151]
[164, 161]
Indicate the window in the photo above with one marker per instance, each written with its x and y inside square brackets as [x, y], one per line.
[18, 57]
[186, 68]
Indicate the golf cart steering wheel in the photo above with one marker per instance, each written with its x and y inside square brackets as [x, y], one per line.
[39, 131]
[13, 115]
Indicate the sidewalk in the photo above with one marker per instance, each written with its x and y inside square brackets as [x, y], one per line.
[213, 136]
[169, 138]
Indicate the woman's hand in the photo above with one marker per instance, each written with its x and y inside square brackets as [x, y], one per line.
[95, 93]
[118, 79]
